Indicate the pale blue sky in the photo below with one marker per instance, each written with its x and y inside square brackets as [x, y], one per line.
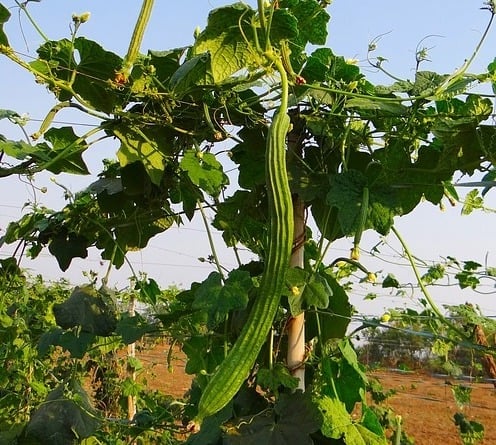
[454, 29]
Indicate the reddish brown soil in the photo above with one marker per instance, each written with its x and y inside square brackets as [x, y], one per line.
[157, 373]
[427, 406]
[425, 403]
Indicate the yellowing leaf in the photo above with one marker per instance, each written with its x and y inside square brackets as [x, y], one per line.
[224, 40]
[135, 146]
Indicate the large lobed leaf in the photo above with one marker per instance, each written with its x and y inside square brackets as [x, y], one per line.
[87, 309]
[61, 153]
[217, 299]
[66, 416]
[4, 17]
[224, 41]
[291, 422]
[94, 68]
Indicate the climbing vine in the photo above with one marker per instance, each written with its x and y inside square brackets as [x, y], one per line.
[299, 126]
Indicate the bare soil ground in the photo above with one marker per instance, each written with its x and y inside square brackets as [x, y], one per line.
[425, 403]
[427, 406]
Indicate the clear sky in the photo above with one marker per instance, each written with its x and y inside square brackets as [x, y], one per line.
[450, 30]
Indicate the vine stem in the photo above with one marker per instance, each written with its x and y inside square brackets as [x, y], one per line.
[22, 7]
[8, 52]
[211, 240]
[105, 279]
[366, 96]
[468, 62]
[261, 13]
[423, 288]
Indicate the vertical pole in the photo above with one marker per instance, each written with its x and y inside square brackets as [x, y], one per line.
[296, 327]
[131, 373]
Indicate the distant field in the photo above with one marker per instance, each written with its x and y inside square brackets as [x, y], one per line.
[427, 407]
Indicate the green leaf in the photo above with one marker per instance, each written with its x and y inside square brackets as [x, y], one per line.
[467, 279]
[457, 131]
[336, 419]
[203, 355]
[458, 85]
[18, 149]
[326, 218]
[4, 17]
[350, 385]
[489, 179]
[370, 420]
[219, 299]
[390, 281]
[347, 384]
[149, 291]
[224, 39]
[67, 148]
[192, 73]
[293, 420]
[462, 395]
[133, 328]
[250, 156]
[486, 136]
[64, 154]
[338, 424]
[472, 202]
[400, 86]
[334, 320]
[242, 219]
[491, 271]
[130, 387]
[137, 146]
[298, 414]
[427, 82]
[284, 26]
[89, 74]
[7, 114]
[345, 193]
[77, 344]
[88, 310]
[434, 273]
[67, 246]
[323, 66]
[166, 63]
[65, 417]
[95, 69]
[351, 358]
[376, 104]
[48, 339]
[471, 265]
[306, 290]
[204, 171]
[471, 432]
[278, 376]
[312, 22]
[188, 194]
[134, 363]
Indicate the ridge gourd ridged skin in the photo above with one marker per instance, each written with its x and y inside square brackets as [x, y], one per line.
[236, 367]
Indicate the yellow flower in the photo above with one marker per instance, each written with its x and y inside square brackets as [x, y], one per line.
[371, 277]
[385, 317]
[355, 253]
[295, 290]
